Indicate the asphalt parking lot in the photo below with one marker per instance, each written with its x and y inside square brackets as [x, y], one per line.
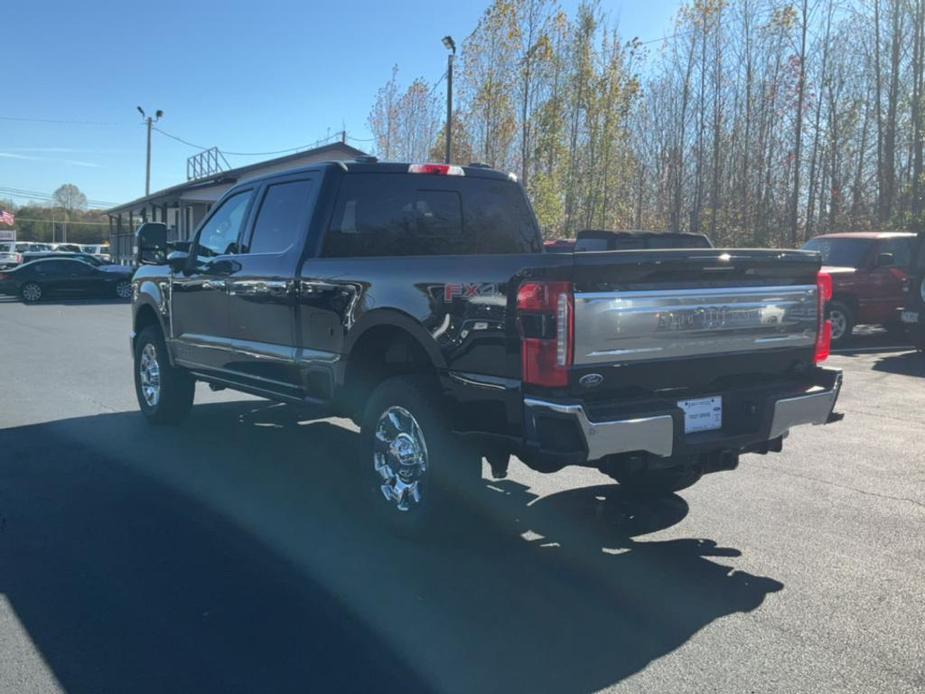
[234, 553]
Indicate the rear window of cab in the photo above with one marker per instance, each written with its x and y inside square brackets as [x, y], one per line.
[415, 214]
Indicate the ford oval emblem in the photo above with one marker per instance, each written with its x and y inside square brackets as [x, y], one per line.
[591, 380]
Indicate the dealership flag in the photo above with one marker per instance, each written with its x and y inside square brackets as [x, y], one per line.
[7, 217]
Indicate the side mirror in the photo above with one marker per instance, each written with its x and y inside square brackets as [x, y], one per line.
[885, 260]
[183, 246]
[151, 244]
[177, 260]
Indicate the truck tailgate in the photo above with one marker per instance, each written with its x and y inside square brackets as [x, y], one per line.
[640, 307]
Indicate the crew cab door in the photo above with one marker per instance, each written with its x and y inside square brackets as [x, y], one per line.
[199, 301]
[887, 281]
[262, 291]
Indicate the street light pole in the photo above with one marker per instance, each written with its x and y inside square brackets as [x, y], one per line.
[450, 46]
[149, 121]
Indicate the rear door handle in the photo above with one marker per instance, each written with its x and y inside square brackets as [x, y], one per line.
[215, 284]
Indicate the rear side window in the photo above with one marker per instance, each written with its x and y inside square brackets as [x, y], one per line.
[408, 215]
[919, 253]
[841, 252]
[901, 248]
[497, 213]
[282, 215]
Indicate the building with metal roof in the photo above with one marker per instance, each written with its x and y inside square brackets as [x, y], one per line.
[183, 206]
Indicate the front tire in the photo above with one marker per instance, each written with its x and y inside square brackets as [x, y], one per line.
[417, 469]
[31, 293]
[842, 317]
[164, 392]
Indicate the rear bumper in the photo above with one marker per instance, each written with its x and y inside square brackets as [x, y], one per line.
[562, 433]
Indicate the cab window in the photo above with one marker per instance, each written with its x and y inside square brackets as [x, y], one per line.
[901, 248]
[219, 235]
[281, 218]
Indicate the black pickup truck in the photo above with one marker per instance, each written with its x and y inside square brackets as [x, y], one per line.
[418, 300]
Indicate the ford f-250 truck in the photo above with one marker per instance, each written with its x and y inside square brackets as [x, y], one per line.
[418, 301]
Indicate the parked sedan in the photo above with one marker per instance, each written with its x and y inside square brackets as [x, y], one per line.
[63, 277]
[95, 261]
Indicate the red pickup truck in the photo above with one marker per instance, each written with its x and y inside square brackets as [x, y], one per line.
[869, 277]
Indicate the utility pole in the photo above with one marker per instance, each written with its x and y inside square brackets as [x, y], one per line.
[149, 121]
[450, 46]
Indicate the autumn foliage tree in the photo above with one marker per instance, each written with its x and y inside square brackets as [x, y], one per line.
[758, 122]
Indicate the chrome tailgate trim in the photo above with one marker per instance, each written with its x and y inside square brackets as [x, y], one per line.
[682, 323]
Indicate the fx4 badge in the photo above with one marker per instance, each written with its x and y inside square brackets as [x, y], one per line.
[467, 290]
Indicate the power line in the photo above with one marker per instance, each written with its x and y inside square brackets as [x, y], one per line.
[56, 121]
[316, 143]
[61, 221]
[46, 197]
[178, 139]
[49, 195]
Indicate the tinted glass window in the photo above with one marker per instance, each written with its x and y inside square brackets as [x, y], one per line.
[52, 267]
[281, 218]
[219, 236]
[381, 215]
[497, 213]
[901, 249]
[397, 215]
[841, 252]
[919, 244]
[78, 267]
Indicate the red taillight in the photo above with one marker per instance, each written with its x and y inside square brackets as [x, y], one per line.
[824, 336]
[547, 323]
[436, 169]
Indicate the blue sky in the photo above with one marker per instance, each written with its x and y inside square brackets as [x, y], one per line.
[247, 77]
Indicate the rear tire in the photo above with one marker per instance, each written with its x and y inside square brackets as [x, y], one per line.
[418, 473]
[164, 392]
[658, 482]
[31, 293]
[842, 317]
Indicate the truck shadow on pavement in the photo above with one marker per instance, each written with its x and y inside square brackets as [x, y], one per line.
[902, 364]
[235, 553]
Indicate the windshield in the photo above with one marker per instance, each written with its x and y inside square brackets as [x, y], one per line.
[841, 252]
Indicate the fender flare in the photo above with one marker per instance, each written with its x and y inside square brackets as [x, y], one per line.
[149, 295]
[395, 318]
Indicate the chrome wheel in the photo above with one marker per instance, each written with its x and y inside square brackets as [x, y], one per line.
[839, 323]
[32, 292]
[400, 458]
[149, 372]
[124, 290]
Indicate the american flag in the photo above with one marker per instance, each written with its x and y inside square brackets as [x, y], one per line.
[7, 217]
